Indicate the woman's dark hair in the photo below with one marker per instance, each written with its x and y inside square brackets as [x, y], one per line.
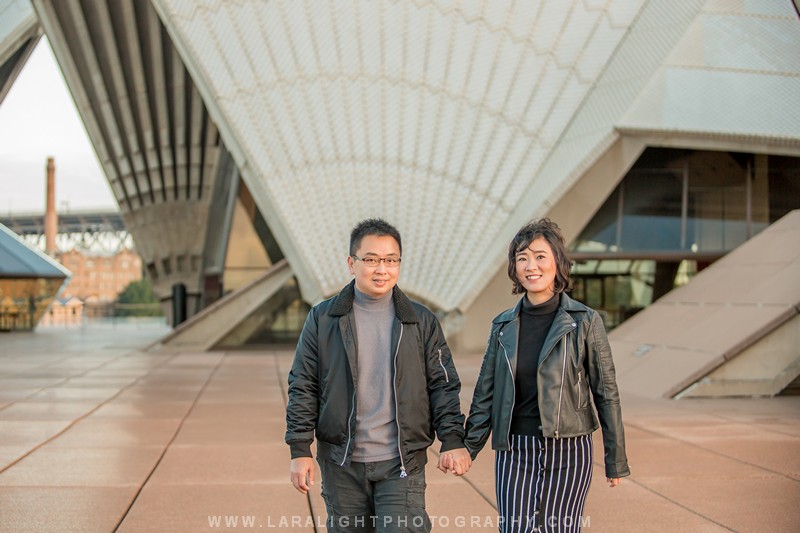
[549, 231]
[373, 226]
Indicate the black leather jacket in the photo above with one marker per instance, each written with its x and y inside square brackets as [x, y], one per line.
[322, 390]
[575, 359]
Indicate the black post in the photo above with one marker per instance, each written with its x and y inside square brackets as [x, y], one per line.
[31, 312]
[178, 304]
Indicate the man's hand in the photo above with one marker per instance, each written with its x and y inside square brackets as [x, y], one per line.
[612, 481]
[445, 462]
[301, 472]
[456, 461]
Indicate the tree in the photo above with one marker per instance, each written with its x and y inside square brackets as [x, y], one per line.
[138, 299]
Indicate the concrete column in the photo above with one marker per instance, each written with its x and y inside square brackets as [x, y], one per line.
[50, 216]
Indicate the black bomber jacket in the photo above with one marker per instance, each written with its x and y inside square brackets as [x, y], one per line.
[322, 383]
[575, 359]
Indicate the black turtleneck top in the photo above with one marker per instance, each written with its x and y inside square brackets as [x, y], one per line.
[534, 325]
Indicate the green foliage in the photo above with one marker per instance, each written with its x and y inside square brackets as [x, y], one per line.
[138, 299]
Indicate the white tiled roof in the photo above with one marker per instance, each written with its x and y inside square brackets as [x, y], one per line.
[456, 121]
[735, 71]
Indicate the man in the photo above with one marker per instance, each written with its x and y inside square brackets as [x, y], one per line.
[372, 378]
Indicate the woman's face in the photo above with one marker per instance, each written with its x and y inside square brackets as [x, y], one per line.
[536, 270]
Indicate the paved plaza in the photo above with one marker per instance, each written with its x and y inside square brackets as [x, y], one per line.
[97, 434]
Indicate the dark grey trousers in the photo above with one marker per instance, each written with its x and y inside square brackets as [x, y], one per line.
[372, 497]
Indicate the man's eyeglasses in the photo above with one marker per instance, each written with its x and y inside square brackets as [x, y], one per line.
[373, 262]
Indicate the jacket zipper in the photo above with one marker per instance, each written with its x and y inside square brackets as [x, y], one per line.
[561, 390]
[580, 375]
[347, 446]
[446, 377]
[396, 406]
[513, 390]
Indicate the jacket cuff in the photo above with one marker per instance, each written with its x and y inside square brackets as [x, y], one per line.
[451, 442]
[300, 449]
[473, 454]
[616, 470]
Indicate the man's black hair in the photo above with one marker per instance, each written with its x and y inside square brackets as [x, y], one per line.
[373, 226]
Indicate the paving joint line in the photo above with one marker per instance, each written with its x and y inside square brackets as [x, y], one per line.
[66, 380]
[80, 418]
[710, 450]
[285, 396]
[754, 424]
[171, 440]
[474, 486]
[10, 374]
[674, 502]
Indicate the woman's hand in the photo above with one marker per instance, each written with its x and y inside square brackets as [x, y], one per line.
[457, 461]
[612, 481]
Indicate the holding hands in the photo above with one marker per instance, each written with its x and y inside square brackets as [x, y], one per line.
[456, 461]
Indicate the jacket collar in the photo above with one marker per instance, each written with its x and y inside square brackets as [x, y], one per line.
[509, 314]
[403, 308]
[567, 304]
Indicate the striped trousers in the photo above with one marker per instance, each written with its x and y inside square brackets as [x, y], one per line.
[542, 483]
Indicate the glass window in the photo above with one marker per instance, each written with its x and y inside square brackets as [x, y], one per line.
[686, 272]
[614, 266]
[717, 202]
[24, 301]
[600, 235]
[675, 204]
[651, 211]
[784, 186]
[584, 267]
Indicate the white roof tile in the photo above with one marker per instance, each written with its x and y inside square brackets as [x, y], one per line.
[458, 121]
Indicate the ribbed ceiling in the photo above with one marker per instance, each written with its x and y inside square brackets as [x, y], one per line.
[150, 128]
[148, 124]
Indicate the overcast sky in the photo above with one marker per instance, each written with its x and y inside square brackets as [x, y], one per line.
[38, 119]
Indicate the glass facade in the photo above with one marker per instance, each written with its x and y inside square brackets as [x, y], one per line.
[29, 281]
[23, 301]
[673, 214]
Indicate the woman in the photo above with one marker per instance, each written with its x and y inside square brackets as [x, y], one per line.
[544, 357]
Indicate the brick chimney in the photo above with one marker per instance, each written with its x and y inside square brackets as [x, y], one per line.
[50, 216]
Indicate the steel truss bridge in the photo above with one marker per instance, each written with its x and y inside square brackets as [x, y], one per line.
[95, 231]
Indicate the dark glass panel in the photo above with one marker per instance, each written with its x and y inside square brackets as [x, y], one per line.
[601, 232]
[717, 202]
[784, 186]
[23, 301]
[651, 209]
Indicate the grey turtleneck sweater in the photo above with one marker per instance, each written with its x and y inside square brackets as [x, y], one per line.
[376, 428]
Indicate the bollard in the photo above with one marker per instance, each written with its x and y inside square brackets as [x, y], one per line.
[178, 304]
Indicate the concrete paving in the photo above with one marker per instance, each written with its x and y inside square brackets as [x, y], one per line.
[96, 435]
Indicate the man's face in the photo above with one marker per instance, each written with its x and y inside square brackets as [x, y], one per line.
[378, 280]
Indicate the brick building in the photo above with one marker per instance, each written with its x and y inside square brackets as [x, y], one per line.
[100, 277]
